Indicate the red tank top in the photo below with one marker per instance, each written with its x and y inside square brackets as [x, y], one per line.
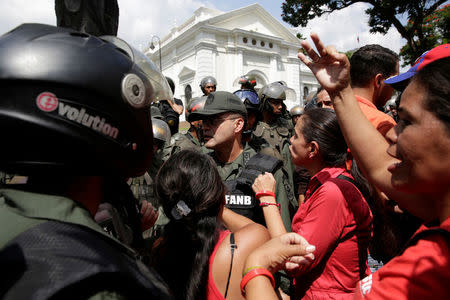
[213, 292]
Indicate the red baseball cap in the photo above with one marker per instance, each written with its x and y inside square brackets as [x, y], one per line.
[434, 54]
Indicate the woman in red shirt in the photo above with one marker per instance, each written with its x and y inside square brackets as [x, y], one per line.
[197, 256]
[334, 216]
[411, 168]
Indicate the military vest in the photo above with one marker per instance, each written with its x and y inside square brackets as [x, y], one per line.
[240, 197]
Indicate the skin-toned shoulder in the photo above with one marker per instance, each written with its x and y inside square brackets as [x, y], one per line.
[247, 239]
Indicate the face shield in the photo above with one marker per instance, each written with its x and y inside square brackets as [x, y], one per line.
[160, 89]
[249, 95]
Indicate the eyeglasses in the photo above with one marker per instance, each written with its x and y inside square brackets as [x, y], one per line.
[215, 122]
[247, 95]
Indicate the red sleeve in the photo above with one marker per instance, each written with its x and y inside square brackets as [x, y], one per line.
[322, 221]
[421, 272]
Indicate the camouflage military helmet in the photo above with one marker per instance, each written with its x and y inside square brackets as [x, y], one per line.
[194, 105]
[277, 90]
[161, 130]
[248, 81]
[296, 110]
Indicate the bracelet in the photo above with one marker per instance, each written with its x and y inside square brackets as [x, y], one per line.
[264, 193]
[249, 269]
[254, 273]
[269, 203]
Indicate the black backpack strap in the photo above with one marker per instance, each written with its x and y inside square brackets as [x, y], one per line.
[426, 233]
[67, 261]
[232, 247]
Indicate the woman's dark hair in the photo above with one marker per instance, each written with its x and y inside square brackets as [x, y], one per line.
[183, 253]
[320, 125]
[435, 79]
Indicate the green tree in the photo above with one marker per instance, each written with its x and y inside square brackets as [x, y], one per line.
[436, 31]
[383, 14]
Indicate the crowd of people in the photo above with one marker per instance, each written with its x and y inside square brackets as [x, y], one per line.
[106, 198]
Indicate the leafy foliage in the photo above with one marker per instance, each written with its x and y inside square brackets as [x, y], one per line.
[382, 16]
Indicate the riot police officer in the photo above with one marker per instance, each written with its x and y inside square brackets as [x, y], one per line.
[80, 127]
[171, 109]
[208, 85]
[296, 112]
[192, 139]
[247, 82]
[273, 127]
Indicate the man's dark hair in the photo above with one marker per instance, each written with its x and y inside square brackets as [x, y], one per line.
[370, 60]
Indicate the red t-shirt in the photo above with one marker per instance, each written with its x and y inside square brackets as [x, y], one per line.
[213, 292]
[422, 271]
[337, 220]
[381, 121]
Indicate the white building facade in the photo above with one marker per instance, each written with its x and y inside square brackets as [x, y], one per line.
[227, 45]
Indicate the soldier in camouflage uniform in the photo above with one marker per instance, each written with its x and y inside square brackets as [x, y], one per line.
[223, 117]
[142, 187]
[296, 112]
[192, 138]
[208, 85]
[273, 127]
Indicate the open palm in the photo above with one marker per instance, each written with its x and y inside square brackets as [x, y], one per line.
[331, 68]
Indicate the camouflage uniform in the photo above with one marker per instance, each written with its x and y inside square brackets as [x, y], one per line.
[277, 136]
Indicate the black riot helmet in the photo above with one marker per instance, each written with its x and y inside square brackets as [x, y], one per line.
[75, 103]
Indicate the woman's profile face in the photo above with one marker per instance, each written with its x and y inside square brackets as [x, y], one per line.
[299, 148]
[421, 142]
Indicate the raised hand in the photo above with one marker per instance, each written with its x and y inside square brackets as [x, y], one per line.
[331, 68]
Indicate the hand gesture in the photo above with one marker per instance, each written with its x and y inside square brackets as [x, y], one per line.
[148, 215]
[264, 182]
[331, 68]
[289, 248]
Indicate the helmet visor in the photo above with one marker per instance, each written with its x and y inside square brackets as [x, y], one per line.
[249, 95]
[160, 86]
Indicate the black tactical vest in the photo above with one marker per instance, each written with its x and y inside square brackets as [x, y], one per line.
[240, 197]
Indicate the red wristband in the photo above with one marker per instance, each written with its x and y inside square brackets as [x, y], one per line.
[252, 274]
[264, 193]
[268, 203]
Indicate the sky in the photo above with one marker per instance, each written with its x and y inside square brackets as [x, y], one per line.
[140, 19]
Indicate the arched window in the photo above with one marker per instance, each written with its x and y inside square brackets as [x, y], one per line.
[305, 92]
[188, 93]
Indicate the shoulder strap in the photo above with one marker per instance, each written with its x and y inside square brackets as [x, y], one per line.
[232, 246]
[426, 233]
[343, 177]
[361, 254]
